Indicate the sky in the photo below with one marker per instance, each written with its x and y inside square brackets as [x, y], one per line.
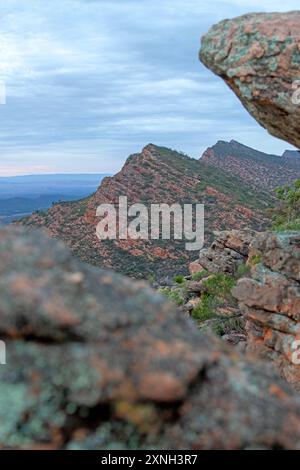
[89, 82]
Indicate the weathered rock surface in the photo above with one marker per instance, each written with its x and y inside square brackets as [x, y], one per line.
[270, 301]
[228, 251]
[258, 56]
[95, 360]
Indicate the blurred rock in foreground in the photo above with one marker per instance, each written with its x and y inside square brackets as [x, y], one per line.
[96, 361]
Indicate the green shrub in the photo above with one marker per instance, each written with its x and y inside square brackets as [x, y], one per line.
[219, 285]
[200, 275]
[179, 279]
[151, 278]
[255, 259]
[286, 214]
[227, 325]
[218, 291]
[242, 271]
[205, 309]
[172, 295]
[293, 225]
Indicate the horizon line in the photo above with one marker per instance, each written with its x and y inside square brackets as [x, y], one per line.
[53, 174]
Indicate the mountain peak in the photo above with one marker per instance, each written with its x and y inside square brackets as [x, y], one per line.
[260, 169]
[149, 148]
[152, 151]
[291, 154]
[233, 144]
[236, 143]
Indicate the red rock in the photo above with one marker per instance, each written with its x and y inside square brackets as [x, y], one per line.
[263, 76]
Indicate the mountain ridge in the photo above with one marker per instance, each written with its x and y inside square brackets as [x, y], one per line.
[155, 175]
[259, 169]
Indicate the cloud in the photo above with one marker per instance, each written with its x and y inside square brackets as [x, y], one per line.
[89, 81]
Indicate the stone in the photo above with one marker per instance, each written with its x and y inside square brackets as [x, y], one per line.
[98, 361]
[195, 268]
[270, 301]
[234, 338]
[258, 56]
[228, 251]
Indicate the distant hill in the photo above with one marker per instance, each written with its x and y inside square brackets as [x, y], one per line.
[156, 175]
[30, 186]
[22, 195]
[260, 170]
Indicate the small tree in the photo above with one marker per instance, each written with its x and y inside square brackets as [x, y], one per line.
[286, 215]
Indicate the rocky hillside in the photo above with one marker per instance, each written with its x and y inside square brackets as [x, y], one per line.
[156, 175]
[256, 168]
[98, 361]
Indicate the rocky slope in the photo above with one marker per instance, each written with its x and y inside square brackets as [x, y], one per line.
[270, 301]
[156, 175]
[255, 168]
[264, 273]
[98, 361]
[208, 291]
[258, 56]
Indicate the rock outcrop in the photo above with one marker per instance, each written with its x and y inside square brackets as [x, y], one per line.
[228, 251]
[258, 56]
[270, 301]
[95, 361]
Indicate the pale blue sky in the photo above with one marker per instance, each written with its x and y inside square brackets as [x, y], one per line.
[91, 81]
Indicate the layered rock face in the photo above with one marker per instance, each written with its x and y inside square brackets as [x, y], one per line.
[228, 251]
[258, 56]
[270, 301]
[96, 361]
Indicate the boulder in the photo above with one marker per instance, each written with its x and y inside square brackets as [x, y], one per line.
[98, 361]
[270, 301]
[228, 251]
[258, 56]
[195, 268]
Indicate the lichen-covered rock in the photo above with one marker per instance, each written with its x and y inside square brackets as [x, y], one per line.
[228, 251]
[270, 301]
[258, 56]
[95, 361]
